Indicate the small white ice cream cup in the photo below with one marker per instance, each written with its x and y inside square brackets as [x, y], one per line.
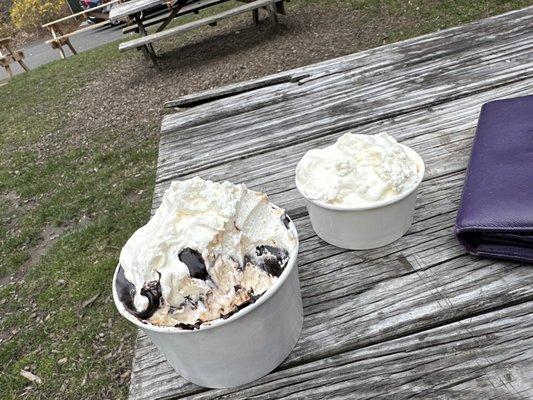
[240, 349]
[365, 227]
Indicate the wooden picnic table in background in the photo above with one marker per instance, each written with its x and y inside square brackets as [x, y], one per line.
[419, 318]
[61, 33]
[9, 55]
[134, 9]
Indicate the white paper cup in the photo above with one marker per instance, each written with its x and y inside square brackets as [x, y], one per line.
[238, 350]
[366, 227]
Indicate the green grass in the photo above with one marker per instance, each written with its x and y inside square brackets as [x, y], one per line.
[415, 17]
[90, 184]
[108, 188]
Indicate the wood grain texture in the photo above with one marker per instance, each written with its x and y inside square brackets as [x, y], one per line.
[483, 357]
[194, 99]
[441, 134]
[415, 319]
[285, 114]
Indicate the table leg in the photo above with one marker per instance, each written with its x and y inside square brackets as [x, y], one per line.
[9, 73]
[148, 50]
[23, 65]
[272, 14]
[71, 47]
[61, 51]
[60, 47]
[255, 16]
[67, 42]
[13, 53]
[175, 10]
[280, 7]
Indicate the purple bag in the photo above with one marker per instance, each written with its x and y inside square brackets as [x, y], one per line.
[495, 218]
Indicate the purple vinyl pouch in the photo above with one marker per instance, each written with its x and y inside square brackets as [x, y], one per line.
[495, 217]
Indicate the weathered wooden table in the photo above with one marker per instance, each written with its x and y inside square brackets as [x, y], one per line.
[61, 32]
[419, 318]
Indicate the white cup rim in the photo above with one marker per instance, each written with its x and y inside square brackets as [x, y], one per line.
[291, 264]
[378, 204]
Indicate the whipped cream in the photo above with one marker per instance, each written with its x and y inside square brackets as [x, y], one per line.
[209, 250]
[357, 170]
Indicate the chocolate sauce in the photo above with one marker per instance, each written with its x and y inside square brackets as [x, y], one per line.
[195, 262]
[238, 308]
[272, 259]
[189, 327]
[126, 292]
[152, 291]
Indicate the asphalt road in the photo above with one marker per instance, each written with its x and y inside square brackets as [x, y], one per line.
[40, 53]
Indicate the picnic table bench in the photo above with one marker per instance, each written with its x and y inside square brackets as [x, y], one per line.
[158, 19]
[9, 56]
[419, 318]
[61, 37]
[133, 9]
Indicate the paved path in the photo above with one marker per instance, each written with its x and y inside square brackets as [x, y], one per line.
[418, 318]
[40, 53]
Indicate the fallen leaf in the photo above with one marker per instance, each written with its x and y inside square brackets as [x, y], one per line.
[31, 377]
[87, 303]
[62, 361]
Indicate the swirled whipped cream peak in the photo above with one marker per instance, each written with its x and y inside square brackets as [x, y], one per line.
[209, 250]
[357, 170]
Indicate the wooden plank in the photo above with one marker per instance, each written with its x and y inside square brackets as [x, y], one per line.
[429, 247]
[487, 356]
[195, 99]
[142, 41]
[441, 134]
[62, 38]
[159, 18]
[289, 113]
[151, 363]
[10, 56]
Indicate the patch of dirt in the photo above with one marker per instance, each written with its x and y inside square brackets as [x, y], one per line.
[49, 236]
[13, 202]
[129, 96]
[14, 207]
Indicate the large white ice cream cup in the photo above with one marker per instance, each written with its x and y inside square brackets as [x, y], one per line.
[369, 226]
[240, 349]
